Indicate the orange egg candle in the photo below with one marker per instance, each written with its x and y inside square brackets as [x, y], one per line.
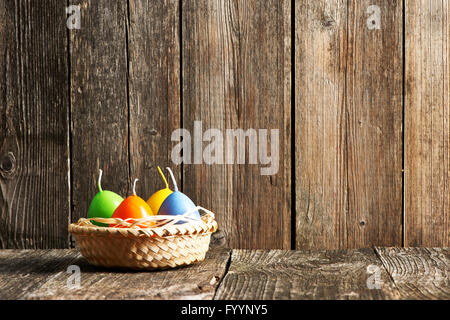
[133, 208]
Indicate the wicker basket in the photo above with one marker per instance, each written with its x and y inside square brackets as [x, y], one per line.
[164, 245]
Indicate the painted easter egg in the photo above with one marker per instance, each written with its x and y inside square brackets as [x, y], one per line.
[177, 203]
[103, 204]
[157, 199]
[133, 208]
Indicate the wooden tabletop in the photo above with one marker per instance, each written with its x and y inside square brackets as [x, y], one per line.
[380, 273]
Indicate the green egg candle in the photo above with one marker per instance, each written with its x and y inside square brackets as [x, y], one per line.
[177, 203]
[103, 204]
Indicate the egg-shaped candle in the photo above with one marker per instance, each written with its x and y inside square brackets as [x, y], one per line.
[133, 208]
[103, 204]
[157, 199]
[177, 203]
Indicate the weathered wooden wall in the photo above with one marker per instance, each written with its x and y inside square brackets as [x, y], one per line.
[34, 125]
[427, 118]
[363, 114]
[348, 132]
[236, 74]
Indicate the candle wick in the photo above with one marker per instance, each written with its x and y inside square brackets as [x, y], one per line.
[134, 186]
[100, 180]
[173, 179]
[164, 178]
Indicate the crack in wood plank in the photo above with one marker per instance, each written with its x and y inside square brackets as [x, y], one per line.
[418, 273]
[280, 274]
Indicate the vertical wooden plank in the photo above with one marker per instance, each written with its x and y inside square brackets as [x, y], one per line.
[236, 74]
[427, 112]
[348, 124]
[99, 104]
[154, 86]
[320, 136]
[34, 189]
[374, 91]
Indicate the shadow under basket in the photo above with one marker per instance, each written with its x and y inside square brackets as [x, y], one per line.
[164, 245]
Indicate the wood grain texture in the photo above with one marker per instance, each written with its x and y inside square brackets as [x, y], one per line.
[117, 83]
[23, 271]
[43, 275]
[404, 273]
[154, 89]
[348, 138]
[427, 112]
[34, 151]
[281, 275]
[99, 104]
[236, 74]
[418, 273]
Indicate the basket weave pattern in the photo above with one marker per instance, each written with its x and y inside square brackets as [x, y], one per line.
[167, 246]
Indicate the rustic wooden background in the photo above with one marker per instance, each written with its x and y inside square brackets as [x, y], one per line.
[364, 115]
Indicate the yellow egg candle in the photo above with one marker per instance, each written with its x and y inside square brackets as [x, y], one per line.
[156, 200]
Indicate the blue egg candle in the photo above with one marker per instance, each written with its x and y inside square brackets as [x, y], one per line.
[177, 203]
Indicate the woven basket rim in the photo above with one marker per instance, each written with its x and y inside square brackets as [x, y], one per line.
[206, 225]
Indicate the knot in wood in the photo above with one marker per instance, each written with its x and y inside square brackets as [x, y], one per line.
[327, 21]
[7, 165]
